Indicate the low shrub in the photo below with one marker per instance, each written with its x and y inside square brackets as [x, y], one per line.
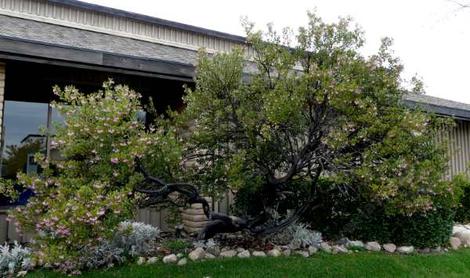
[346, 213]
[177, 245]
[462, 214]
[298, 236]
[14, 259]
[135, 238]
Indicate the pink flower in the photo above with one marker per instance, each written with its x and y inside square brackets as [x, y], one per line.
[114, 160]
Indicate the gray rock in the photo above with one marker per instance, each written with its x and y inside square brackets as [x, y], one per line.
[405, 249]
[244, 254]
[152, 260]
[455, 242]
[312, 250]
[214, 250]
[355, 244]
[209, 256]
[286, 252]
[324, 246]
[228, 254]
[239, 249]
[437, 249]
[182, 262]
[274, 253]
[197, 254]
[373, 246]
[258, 254]
[179, 255]
[343, 241]
[389, 247]
[425, 250]
[302, 253]
[170, 259]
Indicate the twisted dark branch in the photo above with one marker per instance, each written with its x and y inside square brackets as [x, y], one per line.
[158, 191]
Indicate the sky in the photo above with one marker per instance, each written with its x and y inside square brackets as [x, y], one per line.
[431, 37]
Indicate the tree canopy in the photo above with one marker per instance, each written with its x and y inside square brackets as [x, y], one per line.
[293, 109]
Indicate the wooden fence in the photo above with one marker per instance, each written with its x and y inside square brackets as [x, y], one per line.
[151, 216]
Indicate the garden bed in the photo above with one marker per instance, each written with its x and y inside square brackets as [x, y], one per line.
[361, 264]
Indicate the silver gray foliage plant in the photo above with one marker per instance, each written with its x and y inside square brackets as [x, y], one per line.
[135, 238]
[103, 255]
[14, 259]
[210, 243]
[298, 236]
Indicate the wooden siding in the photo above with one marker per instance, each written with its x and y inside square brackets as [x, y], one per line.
[151, 216]
[458, 146]
[45, 11]
[2, 93]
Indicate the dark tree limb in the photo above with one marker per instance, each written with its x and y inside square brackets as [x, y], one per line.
[157, 192]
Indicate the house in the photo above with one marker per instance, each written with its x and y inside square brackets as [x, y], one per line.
[62, 42]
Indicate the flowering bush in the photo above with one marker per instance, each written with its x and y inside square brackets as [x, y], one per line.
[13, 260]
[80, 199]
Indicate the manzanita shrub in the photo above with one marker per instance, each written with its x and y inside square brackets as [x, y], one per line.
[314, 106]
[80, 199]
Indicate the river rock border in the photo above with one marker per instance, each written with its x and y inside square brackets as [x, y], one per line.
[460, 239]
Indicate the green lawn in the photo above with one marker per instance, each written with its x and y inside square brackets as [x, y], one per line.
[452, 264]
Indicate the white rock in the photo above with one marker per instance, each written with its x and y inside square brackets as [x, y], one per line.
[464, 237]
[228, 254]
[258, 254]
[373, 246]
[214, 250]
[22, 273]
[312, 250]
[182, 262]
[140, 260]
[240, 249]
[302, 253]
[455, 242]
[209, 256]
[286, 252]
[197, 254]
[325, 247]
[152, 260]
[179, 255]
[274, 253]
[389, 247]
[405, 249]
[355, 244]
[339, 249]
[460, 228]
[170, 259]
[244, 254]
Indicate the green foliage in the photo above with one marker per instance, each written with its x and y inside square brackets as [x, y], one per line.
[311, 106]
[346, 214]
[16, 157]
[80, 199]
[177, 245]
[462, 214]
